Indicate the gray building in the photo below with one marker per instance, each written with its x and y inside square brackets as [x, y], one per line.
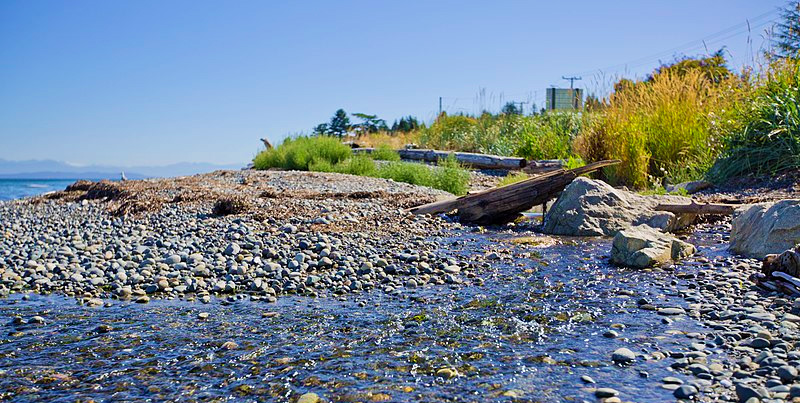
[564, 99]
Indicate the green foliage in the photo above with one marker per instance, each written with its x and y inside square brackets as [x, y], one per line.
[360, 165]
[766, 137]
[385, 153]
[546, 136]
[369, 123]
[786, 39]
[406, 124]
[513, 177]
[451, 177]
[510, 108]
[714, 68]
[298, 153]
[338, 126]
[448, 176]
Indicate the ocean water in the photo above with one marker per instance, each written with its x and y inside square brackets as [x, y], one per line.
[18, 188]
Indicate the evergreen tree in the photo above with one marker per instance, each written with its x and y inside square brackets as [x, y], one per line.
[510, 108]
[340, 124]
[786, 39]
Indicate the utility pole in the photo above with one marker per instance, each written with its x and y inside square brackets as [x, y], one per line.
[521, 107]
[571, 80]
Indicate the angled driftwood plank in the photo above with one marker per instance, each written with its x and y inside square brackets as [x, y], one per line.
[503, 204]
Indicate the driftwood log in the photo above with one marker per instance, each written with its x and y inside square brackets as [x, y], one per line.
[540, 167]
[503, 204]
[698, 208]
[474, 160]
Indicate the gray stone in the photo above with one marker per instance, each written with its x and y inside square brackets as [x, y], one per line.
[605, 392]
[745, 392]
[589, 207]
[623, 356]
[643, 246]
[685, 392]
[766, 228]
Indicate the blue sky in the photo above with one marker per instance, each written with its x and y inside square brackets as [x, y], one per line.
[156, 82]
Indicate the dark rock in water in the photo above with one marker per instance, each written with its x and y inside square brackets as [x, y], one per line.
[685, 392]
[623, 356]
[606, 392]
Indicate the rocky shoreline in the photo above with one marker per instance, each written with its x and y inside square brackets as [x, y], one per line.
[330, 236]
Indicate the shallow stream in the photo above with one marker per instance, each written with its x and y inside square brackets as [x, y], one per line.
[527, 334]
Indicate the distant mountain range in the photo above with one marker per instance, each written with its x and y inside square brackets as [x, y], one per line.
[51, 169]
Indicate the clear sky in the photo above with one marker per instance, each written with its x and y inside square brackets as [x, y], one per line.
[155, 82]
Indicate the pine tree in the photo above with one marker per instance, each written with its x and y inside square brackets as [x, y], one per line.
[340, 124]
[786, 39]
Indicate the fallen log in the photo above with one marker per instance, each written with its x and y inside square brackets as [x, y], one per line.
[474, 160]
[503, 204]
[539, 167]
[698, 208]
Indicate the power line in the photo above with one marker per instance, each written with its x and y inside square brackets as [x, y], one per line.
[712, 38]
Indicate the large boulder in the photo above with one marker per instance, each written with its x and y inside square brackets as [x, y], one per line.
[766, 228]
[642, 246]
[589, 207]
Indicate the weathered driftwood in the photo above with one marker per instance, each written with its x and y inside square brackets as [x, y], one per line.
[698, 208]
[267, 144]
[474, 160]
[503, 204]
[540, 167]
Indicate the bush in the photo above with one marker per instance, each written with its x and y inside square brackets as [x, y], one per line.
[546, 136]
[298, 153]
[385, 153]
[360, 165]
[660, 129]
[449, 176]
[765, 136]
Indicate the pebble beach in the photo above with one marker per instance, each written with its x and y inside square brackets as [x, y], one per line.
[323, 287]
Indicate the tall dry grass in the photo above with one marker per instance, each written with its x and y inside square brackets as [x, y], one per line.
[660, 129]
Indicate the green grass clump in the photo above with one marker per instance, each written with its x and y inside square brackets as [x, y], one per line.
[513, 177]
[300, 152]
[448, 176]
[765, 139]
[360, 165]
[385, 153]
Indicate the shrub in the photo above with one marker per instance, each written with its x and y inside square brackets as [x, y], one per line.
[298, 153]
[449, 176]
[385, 153]
[765, 136]
[548, 136]
[361, 165]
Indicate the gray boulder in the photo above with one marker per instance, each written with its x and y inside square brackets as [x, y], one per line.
[642, 246]
[589, 207]
[766, 228]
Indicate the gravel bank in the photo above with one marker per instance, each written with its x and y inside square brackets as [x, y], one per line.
[295, 233]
